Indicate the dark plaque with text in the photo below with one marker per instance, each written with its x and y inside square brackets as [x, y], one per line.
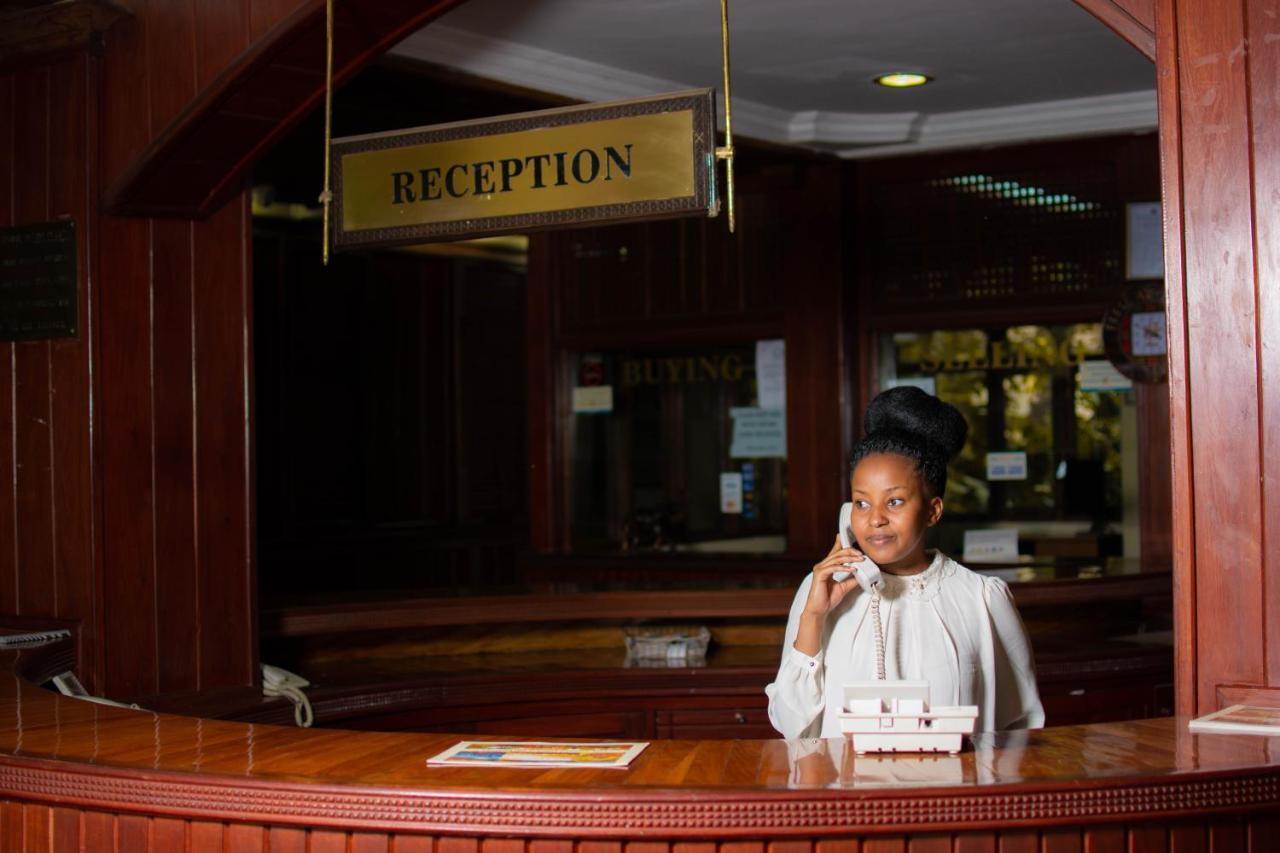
[38, 281]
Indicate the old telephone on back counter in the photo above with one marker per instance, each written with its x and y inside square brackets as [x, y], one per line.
[891, 715]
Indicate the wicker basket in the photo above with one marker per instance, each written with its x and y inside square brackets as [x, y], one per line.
[667, 642]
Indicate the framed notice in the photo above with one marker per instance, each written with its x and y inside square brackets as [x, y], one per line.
[39, 285]
[648, 158]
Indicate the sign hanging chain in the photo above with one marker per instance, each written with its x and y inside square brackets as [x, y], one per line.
[725, 152]
[326, 197]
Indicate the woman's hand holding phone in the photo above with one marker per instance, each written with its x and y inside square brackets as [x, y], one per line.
[825, 592]
[832, 579]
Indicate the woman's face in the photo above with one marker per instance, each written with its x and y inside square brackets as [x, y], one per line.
[891, 511]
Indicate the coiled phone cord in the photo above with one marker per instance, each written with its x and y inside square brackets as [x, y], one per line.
[875, 618]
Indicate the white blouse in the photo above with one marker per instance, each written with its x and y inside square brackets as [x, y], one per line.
[949, 626]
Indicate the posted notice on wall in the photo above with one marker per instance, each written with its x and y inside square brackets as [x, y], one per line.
[927, 384]
[1098, 374]
[1007, 465]
[997, 545]
[771, 373]
[731, 493]
[1144, 226]
[590, 399]
[758, 433]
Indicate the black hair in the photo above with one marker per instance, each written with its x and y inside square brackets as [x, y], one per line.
[908, 422]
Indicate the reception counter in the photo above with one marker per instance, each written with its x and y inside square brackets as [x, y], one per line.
[74, 773]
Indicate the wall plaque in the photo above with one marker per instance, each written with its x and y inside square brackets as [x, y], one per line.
[38, 281]
[649, 158]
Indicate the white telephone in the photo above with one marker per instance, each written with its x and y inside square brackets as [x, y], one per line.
[867, 572]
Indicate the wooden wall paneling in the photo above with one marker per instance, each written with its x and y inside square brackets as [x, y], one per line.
[1221, 298]
[8, 471]
[1132, 20]
[722, 277]
[171, 81]
[224, 518]
[264, 14]
[1154, 495]
[1188, 838]
[1105, 839]
[176, 580]
[282, 839]
[12, 826]
[975, 842]
[248, 838]
[880, 844]
[1264, 834]
[817, 381]
[1148, 839]
[1067, 839]
[126, 113]
[127, 577]
[932, 842]
[133, 832]
[1229, 834]
[98, 832]
[64, 828]
[1263, 72]
[1181, 449]
[168, 834]
[1019, 841]
[33, 439]
[72, 194]
[222, 35]
[205, 835]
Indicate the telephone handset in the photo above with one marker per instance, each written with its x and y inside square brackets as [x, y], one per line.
[867, 572]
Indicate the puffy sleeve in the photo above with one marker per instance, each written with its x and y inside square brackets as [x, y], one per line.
[796, 697]
[1016, 700]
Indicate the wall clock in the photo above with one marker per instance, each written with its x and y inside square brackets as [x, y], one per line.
[1134, 335]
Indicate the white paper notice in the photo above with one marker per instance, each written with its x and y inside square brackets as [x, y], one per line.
[592, 398]
[771, 373]
[758, 433]
[1008, 465]
[1145, 256]
[731, 493]
[1101, 375]
[927, 384]
[991, 546]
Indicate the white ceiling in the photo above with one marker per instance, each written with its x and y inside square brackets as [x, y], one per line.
[1005, 70]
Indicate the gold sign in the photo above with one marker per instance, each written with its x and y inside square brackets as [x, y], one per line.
[649, 158]
[1005, 354]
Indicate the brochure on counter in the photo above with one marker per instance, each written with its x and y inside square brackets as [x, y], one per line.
[532, 753]
[1239, 719]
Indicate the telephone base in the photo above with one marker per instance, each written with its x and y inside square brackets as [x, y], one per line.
[894, 716]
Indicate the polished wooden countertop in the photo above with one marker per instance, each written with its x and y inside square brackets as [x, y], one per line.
[58, 749]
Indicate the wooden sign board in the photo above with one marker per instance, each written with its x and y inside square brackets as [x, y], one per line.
[650, 158]
[39, 286]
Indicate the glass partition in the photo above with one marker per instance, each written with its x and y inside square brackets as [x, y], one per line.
[673, 451]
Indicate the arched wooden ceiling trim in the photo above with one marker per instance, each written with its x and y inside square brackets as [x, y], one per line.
[1133, 20]
[200, 160]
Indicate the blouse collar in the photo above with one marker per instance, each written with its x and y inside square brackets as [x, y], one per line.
[921, 586]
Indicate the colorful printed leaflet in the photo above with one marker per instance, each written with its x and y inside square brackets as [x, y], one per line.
[479, 753]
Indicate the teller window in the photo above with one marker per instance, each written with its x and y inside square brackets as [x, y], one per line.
[1050, 449]
[677, 451]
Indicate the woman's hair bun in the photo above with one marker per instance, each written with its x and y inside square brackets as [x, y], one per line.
[907, 409]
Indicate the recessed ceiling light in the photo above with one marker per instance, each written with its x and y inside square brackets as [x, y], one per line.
[902, 80]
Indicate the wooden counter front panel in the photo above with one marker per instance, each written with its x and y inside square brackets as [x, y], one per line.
[35, 828]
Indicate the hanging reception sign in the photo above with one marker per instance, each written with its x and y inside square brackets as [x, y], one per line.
[649, 158]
